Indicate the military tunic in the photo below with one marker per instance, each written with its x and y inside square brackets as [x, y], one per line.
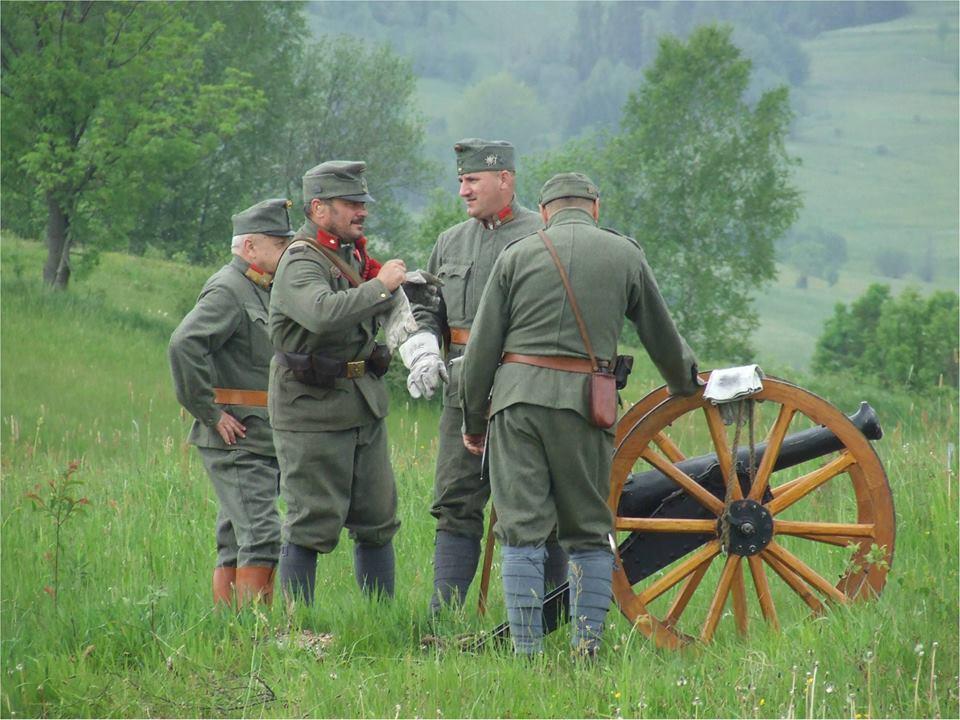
[463, 257]
[223, 342]
[331, 442]
[548, 464]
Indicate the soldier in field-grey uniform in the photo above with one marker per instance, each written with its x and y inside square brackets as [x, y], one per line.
[462, 258]
[220, 357]
[327, 399]
[549, 465]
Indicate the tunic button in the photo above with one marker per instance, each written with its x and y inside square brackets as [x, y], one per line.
[383, 295]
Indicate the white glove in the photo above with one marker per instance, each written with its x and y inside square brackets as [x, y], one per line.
[421, 355]
[398, 322]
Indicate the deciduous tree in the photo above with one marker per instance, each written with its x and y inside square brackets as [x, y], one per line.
[101, 100]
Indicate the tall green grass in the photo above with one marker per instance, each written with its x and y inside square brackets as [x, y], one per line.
[131, 633]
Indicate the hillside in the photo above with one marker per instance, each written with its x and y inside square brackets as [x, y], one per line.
[877, 134]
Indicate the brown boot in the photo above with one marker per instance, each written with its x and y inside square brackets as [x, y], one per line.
[224, 580]
[255, 582]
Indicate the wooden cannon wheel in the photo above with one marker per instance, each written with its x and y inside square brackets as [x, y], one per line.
[677, 605]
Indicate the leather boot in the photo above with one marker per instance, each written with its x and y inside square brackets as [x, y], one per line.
[254, 583]
[224, 580]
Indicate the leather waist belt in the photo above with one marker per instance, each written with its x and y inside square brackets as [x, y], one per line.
[553, 362]
[350, 369]
[229, 396]
[459, 336]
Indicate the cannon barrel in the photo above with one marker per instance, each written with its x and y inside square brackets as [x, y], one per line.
[652, 494]
[644, 492]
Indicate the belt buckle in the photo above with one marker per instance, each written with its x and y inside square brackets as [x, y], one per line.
[356, 368]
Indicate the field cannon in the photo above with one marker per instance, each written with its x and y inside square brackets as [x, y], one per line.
[694, 501]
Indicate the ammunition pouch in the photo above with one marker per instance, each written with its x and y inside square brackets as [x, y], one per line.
[622, 369]
[320, 371]
[379, 361]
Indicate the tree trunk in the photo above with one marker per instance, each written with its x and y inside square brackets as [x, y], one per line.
[56, 270]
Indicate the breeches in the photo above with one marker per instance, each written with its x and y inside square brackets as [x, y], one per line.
[248, 523]
[332, 480]
[459, 495]
[550, 468]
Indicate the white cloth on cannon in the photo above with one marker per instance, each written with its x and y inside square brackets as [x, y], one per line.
[728, 385]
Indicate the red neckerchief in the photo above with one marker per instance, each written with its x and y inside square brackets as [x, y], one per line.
[369, 266]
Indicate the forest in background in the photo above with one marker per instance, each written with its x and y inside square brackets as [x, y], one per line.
[871, 90]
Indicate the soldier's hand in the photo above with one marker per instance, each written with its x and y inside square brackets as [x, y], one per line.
[392, 274]
[474, 443]
[229, 428]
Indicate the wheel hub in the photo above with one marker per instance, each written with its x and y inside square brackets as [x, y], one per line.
[747, 526]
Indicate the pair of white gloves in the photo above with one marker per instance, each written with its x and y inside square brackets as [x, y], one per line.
[421, 355]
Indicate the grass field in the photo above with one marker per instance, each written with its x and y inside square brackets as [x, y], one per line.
[126, 630]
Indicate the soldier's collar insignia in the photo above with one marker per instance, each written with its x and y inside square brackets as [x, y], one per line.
[327, 240]
[504, 216]
[258, 277]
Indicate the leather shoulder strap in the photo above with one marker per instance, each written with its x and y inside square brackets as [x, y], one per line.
[573, 300]
[348, 272]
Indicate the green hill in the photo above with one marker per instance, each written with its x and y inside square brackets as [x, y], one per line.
[877, 132]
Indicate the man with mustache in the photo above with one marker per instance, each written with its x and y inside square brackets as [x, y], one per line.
[327, 399]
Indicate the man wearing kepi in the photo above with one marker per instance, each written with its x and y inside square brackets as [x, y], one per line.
[549, 464]
[327, 399]
[220, 358]
[462, 258]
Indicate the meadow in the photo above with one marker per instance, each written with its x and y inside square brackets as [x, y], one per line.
[106, 611]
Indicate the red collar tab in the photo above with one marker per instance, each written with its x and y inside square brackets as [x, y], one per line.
[327, 240]
[504, 216]
[258, 276]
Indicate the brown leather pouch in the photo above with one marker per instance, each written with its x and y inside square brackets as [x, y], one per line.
[603, 399]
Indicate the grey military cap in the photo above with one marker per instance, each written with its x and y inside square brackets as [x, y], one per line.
[569, 184]
[270, 217]
[336, 179]
[476, 155]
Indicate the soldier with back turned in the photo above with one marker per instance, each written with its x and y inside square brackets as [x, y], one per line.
[527, 367]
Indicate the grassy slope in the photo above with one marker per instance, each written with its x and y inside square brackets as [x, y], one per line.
[892, 85]
[132, 636]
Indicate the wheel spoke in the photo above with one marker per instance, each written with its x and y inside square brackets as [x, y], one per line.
[666, 525]
[814, 529]
[763, 591]
[810, 482]
[668, 447]
[740, 600]
[719, 436]
[691, 486]
[703, 556]
[720, 597]
[774, 442]
[686, 592]
[793, 580]
[838, 540]
[810, 575]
